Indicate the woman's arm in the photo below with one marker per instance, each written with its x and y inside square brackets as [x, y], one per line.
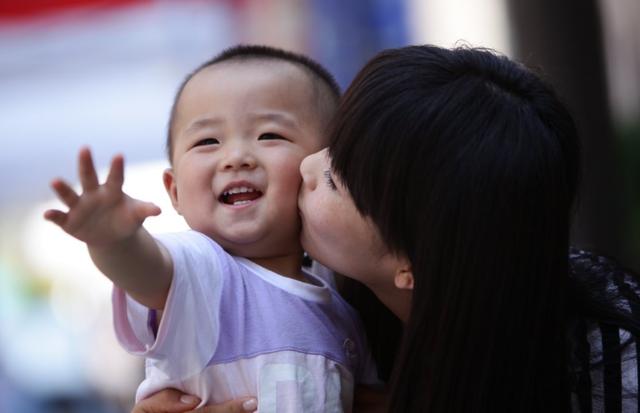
[174, 401]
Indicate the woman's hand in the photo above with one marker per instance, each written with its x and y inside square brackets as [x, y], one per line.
[174, 401]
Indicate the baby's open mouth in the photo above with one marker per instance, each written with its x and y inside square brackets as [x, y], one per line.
[239, 196]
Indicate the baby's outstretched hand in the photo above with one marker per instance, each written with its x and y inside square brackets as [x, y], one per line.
[102, 215]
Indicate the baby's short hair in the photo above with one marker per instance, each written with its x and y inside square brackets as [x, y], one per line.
[321, 77]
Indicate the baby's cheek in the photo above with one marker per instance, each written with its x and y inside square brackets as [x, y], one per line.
[292, 181]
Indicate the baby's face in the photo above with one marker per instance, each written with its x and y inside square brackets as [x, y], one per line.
[240, 133]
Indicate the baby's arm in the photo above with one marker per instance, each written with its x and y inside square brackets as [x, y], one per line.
[110, 223]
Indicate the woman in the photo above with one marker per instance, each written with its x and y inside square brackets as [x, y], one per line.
[447, 190]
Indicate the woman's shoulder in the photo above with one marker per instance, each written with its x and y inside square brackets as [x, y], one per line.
[597, 269]
[603, 294]
[605, 332]
[600, 287]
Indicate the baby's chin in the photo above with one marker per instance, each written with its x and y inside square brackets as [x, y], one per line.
[258, 247]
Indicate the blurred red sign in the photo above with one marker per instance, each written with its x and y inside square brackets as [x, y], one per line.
[21, 9]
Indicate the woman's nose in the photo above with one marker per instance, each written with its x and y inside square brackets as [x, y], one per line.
[308, 171]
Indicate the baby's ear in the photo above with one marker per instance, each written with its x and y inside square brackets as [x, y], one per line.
[171, 185]
[403, 278]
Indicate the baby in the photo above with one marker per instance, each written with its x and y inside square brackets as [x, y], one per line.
[226, 310]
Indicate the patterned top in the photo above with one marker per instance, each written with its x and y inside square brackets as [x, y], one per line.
[604, 337]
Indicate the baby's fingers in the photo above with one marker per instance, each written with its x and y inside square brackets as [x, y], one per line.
[86, 170]
[116, 173]
[57, 217]
[65, 193]
[146, 209]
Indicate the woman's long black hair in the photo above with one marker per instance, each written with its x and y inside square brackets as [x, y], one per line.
[468, 164]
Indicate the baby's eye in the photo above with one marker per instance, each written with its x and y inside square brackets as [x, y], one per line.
[329, 180]
[271, 136]
[207, 141]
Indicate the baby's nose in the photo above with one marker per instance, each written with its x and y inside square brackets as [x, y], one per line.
[239, 158]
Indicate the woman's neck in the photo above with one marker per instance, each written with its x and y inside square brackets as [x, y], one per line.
[395, 299]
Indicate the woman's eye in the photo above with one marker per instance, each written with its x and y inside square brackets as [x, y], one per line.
[329, 180]
[207, 141]
[270, 137]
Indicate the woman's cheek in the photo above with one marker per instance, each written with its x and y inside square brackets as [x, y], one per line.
[330, 218]
[319, 224]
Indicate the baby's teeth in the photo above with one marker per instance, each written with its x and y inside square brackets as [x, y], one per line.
[241, 202]
[240, 190]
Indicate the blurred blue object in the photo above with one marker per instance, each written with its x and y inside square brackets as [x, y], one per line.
[345, 34]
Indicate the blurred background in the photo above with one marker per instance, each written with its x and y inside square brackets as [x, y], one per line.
[103, 73]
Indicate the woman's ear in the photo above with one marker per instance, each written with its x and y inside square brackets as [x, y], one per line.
[403, 278]
[171, 186]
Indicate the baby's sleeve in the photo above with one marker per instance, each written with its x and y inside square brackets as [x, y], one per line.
[187, 335]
